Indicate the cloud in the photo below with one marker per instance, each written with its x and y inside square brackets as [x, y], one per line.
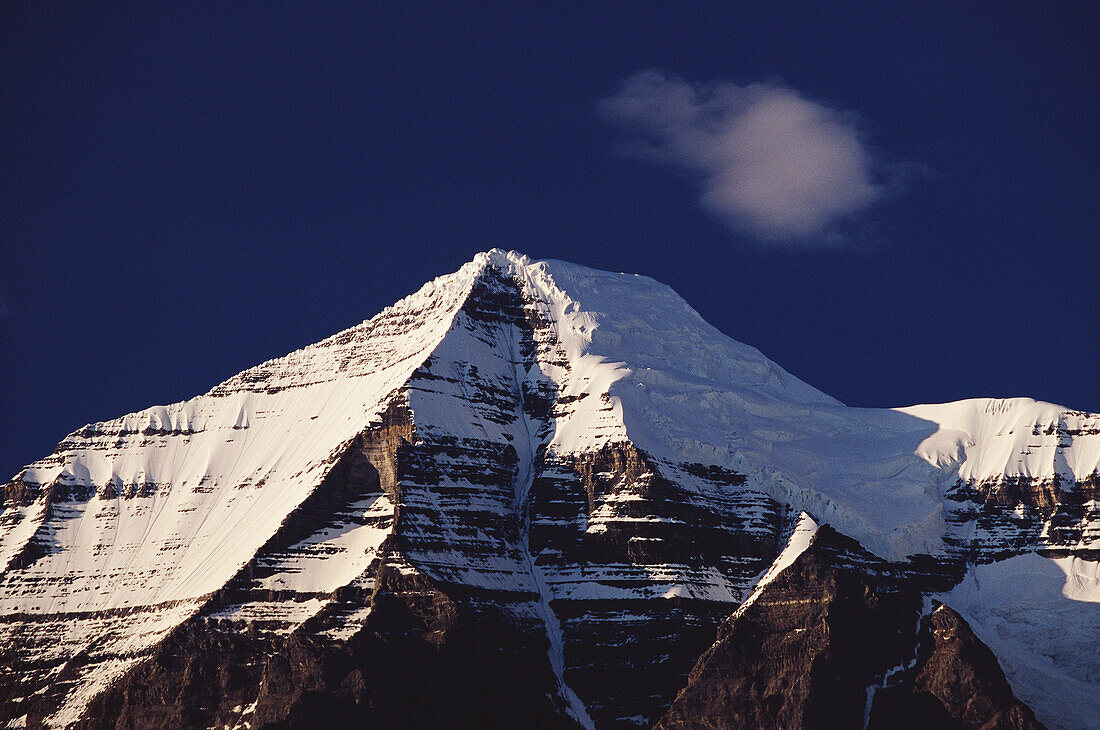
[769, 162]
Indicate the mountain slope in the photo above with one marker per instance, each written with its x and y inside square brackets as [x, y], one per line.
[527, 494]
[836, 638]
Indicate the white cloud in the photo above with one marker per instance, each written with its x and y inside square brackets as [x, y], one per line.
[769, 162]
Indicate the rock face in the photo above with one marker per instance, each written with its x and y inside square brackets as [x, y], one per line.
[803, 651]
[533, 495]
[833, 642]
[953, 682]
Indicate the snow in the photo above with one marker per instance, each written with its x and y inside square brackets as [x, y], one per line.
[646, 368]
[185, 494]
[614, 327]
[1041, 617]
[643, 366]
[799, 541]
[285, 616]
[612, 581]
[640, 365]
[309, 567]
[987, 438]
[223, 469]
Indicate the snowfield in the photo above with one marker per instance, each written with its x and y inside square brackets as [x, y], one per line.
[1040, 616]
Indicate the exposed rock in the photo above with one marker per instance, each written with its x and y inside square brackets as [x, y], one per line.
[955, 682]
[804, 652]
[617, 531]
[195, 677]
[816, 647]
[423, 660]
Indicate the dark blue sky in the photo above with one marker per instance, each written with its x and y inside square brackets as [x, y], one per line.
[189, 191]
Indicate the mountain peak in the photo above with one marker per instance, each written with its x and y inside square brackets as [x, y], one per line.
[533, 445]
[500, 258]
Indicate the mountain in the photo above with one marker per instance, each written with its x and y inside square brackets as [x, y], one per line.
[533, 494]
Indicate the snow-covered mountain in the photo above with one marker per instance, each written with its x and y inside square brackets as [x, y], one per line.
[530, 494]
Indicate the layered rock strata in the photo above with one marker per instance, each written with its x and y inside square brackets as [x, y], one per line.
[836, 639]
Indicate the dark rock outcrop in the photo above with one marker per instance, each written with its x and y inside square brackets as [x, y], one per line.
[633, 528]
[424, 660]
[814, 647]
[803, 653]
[955, 683]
